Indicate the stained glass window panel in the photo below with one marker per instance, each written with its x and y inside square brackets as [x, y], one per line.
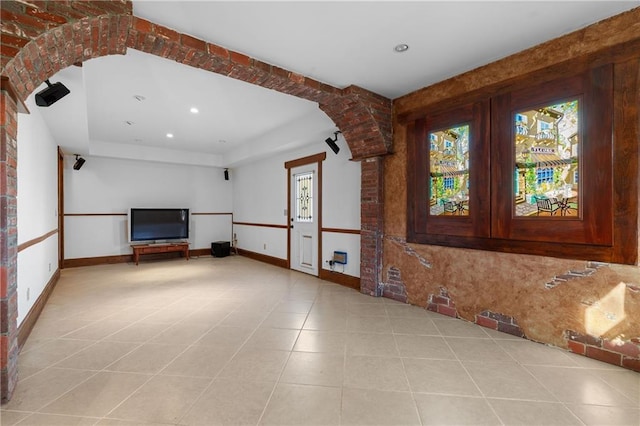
[547, 157]
[304, 197]
[449, 171]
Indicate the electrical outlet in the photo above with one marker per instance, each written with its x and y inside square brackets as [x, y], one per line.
[28, 293]
[265, 246]
[49, 266]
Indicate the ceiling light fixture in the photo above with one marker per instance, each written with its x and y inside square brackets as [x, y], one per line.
[51, 94]
[332, 142]
[79, 162]
[130, 123]
[194, 110]
[169, 135]
[401, 48]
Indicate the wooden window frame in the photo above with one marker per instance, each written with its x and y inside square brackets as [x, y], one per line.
[607, 227]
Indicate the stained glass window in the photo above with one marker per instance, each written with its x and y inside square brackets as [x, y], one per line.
[449, 171]
[546, 151]
[304, 197]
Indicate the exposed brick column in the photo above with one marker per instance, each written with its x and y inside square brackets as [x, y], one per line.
[8, 242]
[371, 224]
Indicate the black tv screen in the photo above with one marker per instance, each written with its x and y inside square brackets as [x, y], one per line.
[158, 224]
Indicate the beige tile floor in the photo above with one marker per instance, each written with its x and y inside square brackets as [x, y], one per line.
[234, 341]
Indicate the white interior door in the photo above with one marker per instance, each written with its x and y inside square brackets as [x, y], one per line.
[304, 219]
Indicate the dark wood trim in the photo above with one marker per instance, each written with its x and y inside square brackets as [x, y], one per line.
[35, 241]
[319, 229]
[342, 279]
[125, 214]
[264, 258]
[304, 161]
[626, 164]
[607, 228]
[342, 231]
[95, 214]
[289, 218]
[60, 207]
[6, 86]
[200, 252]
[264, 225]
[315, 158]
[29, 321]
[101, 260]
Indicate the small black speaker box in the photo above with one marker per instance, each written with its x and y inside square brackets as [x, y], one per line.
[226, 174]
[220, 248]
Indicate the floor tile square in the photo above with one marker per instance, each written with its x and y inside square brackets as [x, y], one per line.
[232, 337]
[507, 380]
[578, 386]
[321, 341]
[97, 396]
[460, 329]
[98, 355]
[474, 349]
[414, 326]
[439, 376]
[311, 368]
[149, 358]
[526, 413]
[254, 364]
[302, 404]
[200, 361]
[599, 415]
[230, 402]
[454, 410]
[272, 338]
[161, 400]
[375, 407]
[423, 347]
[34, 392]
[375, 373]
[287, 320]
[371, 344]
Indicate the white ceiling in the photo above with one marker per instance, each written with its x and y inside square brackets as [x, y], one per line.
[339, 43]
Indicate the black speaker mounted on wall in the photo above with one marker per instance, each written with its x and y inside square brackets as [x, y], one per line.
[79, 162]
[226, 174]
[51, 94]
[332, 142]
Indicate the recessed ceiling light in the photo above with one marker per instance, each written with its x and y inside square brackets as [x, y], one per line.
[401, 48]
[169, 135]
[194, 110]
[139, 98]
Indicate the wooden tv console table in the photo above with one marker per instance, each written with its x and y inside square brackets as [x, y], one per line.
[139, 249]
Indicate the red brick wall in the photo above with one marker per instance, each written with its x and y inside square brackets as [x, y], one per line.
[371, 224]
[8, 242]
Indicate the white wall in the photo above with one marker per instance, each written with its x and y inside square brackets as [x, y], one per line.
[106, 185]
[260, 196]
[37, 207]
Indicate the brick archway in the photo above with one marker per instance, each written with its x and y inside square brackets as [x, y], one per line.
[38, 41]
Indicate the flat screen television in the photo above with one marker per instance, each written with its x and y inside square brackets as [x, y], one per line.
[158, 225]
